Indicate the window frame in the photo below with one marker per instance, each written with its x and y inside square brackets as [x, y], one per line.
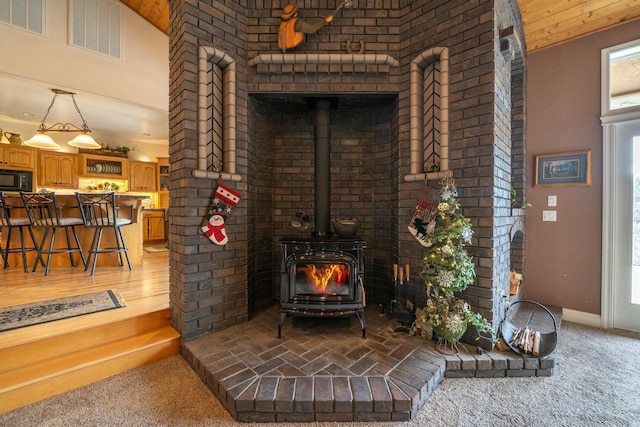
[609, 115]
[43, 5]
[120, 31]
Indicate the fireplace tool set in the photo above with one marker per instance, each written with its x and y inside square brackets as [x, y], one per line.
[401, 307]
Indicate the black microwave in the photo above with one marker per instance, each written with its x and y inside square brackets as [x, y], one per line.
[11, 180]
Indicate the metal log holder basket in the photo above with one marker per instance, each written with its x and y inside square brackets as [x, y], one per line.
[536, 316]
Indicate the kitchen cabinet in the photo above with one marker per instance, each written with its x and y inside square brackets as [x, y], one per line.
[153, 226]
[97, 166]
[143, 176]
[163, 199]
[58, 170]
[18, 157]
[163, 179]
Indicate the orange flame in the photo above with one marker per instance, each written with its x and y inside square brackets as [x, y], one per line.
[321, 275]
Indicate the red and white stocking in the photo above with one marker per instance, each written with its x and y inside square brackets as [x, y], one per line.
[214, 230]
[224, 200]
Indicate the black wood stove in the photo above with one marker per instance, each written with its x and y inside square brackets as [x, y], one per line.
[322, 277]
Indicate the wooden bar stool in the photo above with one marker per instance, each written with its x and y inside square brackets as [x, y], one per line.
[44, 212]
[9, 222]
[99, 211]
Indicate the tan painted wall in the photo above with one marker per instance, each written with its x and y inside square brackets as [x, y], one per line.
[49, 58]
[563, 258]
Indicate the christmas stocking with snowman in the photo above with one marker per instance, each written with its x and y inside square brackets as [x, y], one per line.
[224, 200]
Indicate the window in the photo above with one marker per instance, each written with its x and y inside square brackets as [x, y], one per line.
[621, 134]
[621, 79]
[96, 25]
[25, 14]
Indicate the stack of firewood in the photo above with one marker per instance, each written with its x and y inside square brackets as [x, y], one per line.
[526, 340]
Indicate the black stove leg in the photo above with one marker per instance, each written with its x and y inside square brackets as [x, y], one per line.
[282, 317]
[360, 314]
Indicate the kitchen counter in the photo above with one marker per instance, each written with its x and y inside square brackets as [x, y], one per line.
[132, 233]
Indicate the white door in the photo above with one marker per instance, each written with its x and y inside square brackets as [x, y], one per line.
[626, 226]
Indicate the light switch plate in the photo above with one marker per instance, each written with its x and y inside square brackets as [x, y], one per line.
[549, 215]
[552, 201]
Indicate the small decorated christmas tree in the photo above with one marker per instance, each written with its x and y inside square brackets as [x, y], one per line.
[447, 271]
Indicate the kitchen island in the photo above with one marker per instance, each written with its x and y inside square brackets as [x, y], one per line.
[132, 233]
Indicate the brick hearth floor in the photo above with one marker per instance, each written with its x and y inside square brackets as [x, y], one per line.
[322, 370]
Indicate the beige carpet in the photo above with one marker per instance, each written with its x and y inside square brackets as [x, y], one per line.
[596, 383]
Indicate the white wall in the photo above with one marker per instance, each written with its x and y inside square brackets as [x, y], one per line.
[140, 78]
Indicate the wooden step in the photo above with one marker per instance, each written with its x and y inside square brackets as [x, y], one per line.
[137, 307]
[33, 352]
[63, 372]
[44, 360]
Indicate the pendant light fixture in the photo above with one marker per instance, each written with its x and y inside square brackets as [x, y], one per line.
[44, 141]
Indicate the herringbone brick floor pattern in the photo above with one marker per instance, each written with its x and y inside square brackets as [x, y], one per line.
[323, 370]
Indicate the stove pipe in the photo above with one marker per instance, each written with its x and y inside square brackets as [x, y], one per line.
[322, 139]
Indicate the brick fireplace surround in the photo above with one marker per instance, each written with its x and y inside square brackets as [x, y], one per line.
[255, 111]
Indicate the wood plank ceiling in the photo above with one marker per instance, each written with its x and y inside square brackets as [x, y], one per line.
[546, 22]
[156, 12]
[551, 22]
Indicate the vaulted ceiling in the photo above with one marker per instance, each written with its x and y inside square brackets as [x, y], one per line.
[546, 22]
[156, 12]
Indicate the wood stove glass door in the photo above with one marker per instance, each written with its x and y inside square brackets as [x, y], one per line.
[321, 280]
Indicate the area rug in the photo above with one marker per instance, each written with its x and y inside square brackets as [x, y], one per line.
[156, 249]
[19, 316]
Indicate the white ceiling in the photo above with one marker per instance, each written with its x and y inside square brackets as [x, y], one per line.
[106, 117]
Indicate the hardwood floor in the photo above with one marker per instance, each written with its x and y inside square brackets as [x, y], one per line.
[43, 360]
[145, 288]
